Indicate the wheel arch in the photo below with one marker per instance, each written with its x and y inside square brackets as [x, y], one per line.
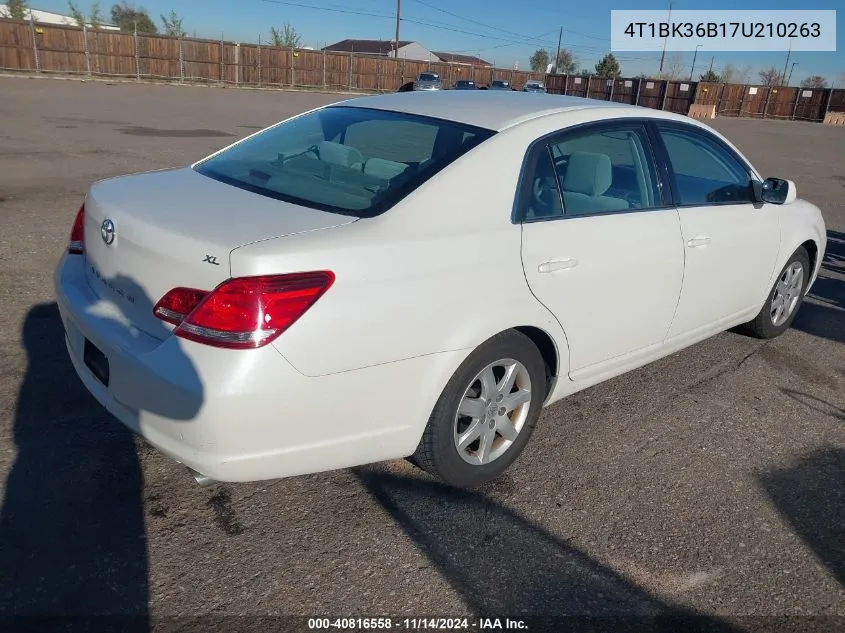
[548, 350]
[813, 252]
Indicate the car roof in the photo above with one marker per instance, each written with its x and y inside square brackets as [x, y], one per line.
[494, 110]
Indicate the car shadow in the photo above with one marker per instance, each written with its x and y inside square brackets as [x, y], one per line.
[502, 563]
[825, 314]
[72, 528]
[811, 498]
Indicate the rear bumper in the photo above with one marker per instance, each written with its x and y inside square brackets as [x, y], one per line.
[245, 415]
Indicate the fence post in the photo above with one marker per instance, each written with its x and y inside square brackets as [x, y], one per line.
[87, 54]
[324, 67]
[237, 63]
[721, 98]
[827, 105]
[259, 61]
[795, 105]
[221, 60]
[769, 91]
[566, 83]
[137, 55]
[612, 86]
[742, 100]
[351, 61]
[181, 62]
[34, 43]
[639, 86]
[665, 94]
[292, 69]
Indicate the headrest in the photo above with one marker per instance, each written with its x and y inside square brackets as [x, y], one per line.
[588, 173]
[338, 154]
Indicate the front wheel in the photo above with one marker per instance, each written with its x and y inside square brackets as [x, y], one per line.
[783, 301]
[486, 414]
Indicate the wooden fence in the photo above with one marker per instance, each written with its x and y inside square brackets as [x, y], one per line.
[40, 48]
[25, 46]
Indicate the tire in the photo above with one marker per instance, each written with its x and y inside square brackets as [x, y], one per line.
[765, 325]
[438, 452]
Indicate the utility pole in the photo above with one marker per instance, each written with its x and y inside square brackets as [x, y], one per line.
[692, 70]
[712, 59]
[398, 13]
[788, 79]
[783, 76]
[665, 39]
[559, 38]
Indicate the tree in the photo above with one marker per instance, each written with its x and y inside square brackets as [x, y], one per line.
[173, 25]
[710, 75]
[95, 19]
[675, 68]
[76, 14]
[815, 81]
[126, 16]
[17, 9]
[728, 74]
[539, 61]
[608, 67]
[770, 77]
[566, 64]
[286, 38]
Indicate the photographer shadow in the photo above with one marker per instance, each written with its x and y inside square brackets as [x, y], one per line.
[72, 528]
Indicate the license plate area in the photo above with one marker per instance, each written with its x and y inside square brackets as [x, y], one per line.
[96, 362]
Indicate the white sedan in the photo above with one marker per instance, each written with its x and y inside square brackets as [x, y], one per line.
[418, 275]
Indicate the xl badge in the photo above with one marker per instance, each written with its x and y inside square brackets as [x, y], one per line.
[107, 231]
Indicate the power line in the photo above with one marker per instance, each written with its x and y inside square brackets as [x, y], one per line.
[476, 22]
[443, 26]
[333, 9]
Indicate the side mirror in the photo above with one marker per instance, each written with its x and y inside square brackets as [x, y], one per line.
[776, 191]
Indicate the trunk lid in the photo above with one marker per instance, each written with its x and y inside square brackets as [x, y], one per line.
[177, 228]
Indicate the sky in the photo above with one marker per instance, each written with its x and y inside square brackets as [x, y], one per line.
[506, 32]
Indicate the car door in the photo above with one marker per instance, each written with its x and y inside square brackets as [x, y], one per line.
[731, 242]
[600, 248]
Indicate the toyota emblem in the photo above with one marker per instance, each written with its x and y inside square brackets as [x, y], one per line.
[107, 231]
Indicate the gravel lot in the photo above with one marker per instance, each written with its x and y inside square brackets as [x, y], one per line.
[710, 482]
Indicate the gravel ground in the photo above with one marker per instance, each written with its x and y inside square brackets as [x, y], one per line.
[710, 482]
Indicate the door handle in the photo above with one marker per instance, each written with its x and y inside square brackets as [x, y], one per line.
[557, 264]
[701, 240]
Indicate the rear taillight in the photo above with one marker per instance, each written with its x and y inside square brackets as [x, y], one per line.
[76, 244]
[178, 303]
[241, 313]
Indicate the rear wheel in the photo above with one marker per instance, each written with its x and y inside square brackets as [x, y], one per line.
[783, 301]
[486, 414]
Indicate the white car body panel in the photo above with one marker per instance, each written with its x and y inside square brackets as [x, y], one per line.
[731, 253]
[634, 307]
[417, 289]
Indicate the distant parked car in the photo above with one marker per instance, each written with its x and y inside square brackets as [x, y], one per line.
[428, 81]
[500, 84]
[532, 85]
[465, 84]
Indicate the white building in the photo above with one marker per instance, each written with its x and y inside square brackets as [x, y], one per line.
[47, 17]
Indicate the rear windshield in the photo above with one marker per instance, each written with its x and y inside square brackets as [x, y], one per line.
[429, 77]
[353, 161]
